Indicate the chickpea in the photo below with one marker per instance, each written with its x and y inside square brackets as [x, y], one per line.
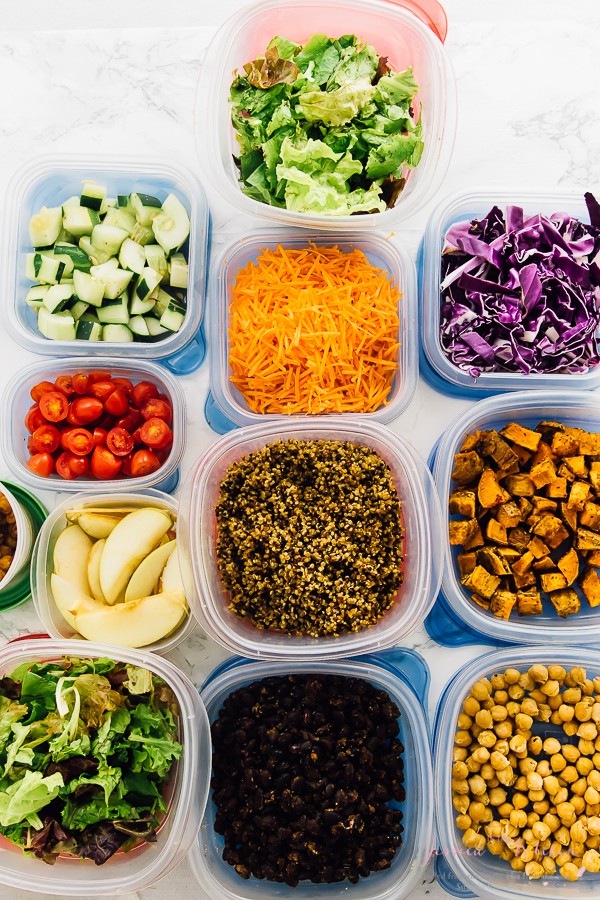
[570, 753]
[534, 781]
[511, 676]
[579, 787]
[557, 762]
[487, 771]
[541, 831]
[520, 801]
[460, 802]
[460, 787]
[500, 699]
[555, 702]
[480, 755]
[565, 811]
[541, 807]
[596, 760]
[551, 784]
[576, 850]
[583, 712]
[472, 766]
[592, 809]
[459, 771]
[578, 675]
[538, 673]
[566, 712]
[523, 722]
[588, 687]
[493, 782]
[462, 738]
[593, 778]
[586, 747]
[543, 768]
[528, 853]
[534, 745]
[499, 761]
[578, 833]
[551, 688]
[570, 728]
[551, 746]
[588, 731]
[518, 745]
[459, 754]
[517, 864]
[507, 854]
[477, 785]
[512, 708]
[481, 689]
[596, 712]
[532, 818]
[563, 836]
[473, 840]
[578, 804]
[534, 870]
[556, 672]
[497, 796]
[527, 765]
[549, 865]
[593, 842]
[591, 861]
[464, 721]
[527, 682]
[593, 825]
[498, 681]
[486, 738]
[503, 729]
[484, 718]
[552, 821]
[563, 857]
[537, 695]
[569, 871]
[518, 818]
[561, 796]
[505, 810]
[572, 696]
[544, 713]
[471, 706]
[516, 692]
[495, 847]
[529, 707]
[555, 849]
[502, 747]
[477, 811]
[570, 774]
[536, 796]
[494, 830]
[584, 766]
[463, 822]
[507, 776]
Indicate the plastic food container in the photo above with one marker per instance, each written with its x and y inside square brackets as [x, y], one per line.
[436, 367]
[16, 402]
[470, 874]
[43, 552]
[29, 515]
[457, 620]
[396, 30]
[49, 181]
[144, 866]
[405, 676]
[421, 520]
[227, 408]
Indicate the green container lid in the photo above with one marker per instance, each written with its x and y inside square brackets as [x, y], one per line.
[19, 590]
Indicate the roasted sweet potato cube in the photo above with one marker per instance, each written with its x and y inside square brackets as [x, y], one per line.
[595, 475]
[522, 582]
[526, 506]
[508, 553]
[519, 538]
[476, 540]
[590, 585]
[543, 504]
[502, 603]
[593, 557]
[565, 602]
[576, 464]
[471, 441]
[522, 436]
[587, 540]
[495, 532]
[548, 428]
[481, 582]
[569, 515]
[569, 565]
[522, 565]
[543, 473]
[538, 548]
[529, 603]
[462, 531]
[497, 449]
[590, 517]
[466, 562]
[479, 601]
[557, 489]
[589, 443]
[551, 530]
[489, 491]
[520, 485]
[564, 444]
[509, 514]
[552, 581]
[544, 451]
[467, 467]
[463, 503]
[545, 564]
[564, 471]
[579, 494]
[523, 457]
[490, 559]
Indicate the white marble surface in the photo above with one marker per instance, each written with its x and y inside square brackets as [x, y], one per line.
[124, 76]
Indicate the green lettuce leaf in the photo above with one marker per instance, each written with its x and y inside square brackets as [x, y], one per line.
[267, 71]
[10, 712]
[36, 687]
[285, 48]
[355, 64]
[77, 814]
[97, 697]
[27, 796]
[392, 153]
[318, 58]
[139, 680]
[107, 778]
[398, 88]
[110, 732]
[153, 754]
[336, 107]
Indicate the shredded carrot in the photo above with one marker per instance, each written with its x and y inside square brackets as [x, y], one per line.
[313, 330]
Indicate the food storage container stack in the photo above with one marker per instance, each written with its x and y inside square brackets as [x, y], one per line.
[29, 514]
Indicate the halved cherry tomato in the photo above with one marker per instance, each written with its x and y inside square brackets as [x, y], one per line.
[31, 446]
[38, 390]
[104, 463]
[117, 403]
[143, 391]
[126, 465]
[64, 383]
[144, 462]
[79, 441]
[79, 465]
[42, 464]
[102, 375]
[102, 389]
[84, 410]
[63, 468]
[137, 436]
[54, 406]
[100, 436]
[124, 383]
[119, 441]
[81, 383]
[34, 419]
[46, 439]
[157, 408]
[156, 433]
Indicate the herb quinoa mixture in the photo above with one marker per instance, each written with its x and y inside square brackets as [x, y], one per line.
[310, 537]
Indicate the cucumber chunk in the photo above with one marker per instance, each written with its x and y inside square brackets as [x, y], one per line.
[108, 238]
[88, 288]
[115, 280]
[45, 226]
[141, 307]
[145, 207]
[156, 332]
[78, 309]
[173, 316]
[58, 297]
[117, 334]
[79, 220]
[139, 326]
[132, 256]
[88, 330]
[157, 260]
[78, 257]
[171, 226]
[92, 195]
[56, 326]
[178, 271]
[115, 313]
[147, 282]
[120, 218]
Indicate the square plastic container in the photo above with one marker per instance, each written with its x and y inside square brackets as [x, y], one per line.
[470, 874]
[29, 514]
[436, 367]
[526, 408]
[420, 518]
[42, 562]
[229, 407]
[49, 181]
[140, 868]
[16, 402]
[405, 676]
[395, 32]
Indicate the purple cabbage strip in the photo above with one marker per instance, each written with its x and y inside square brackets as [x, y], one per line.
[522, 294]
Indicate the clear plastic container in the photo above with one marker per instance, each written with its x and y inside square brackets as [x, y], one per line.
[421, 519]
[15, 587]
[42, 561]
[395, 32]
[467, 873]
[405, 676]
[459, 620]
[226, 407]
[125, 873]
[16, 402]
[436, 367]
[22, 553]
[49, 181]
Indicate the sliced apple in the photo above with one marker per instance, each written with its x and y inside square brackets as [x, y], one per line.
[98, 525]
[127, 545]
[71, 553]
[136, 623]
[170, 579]
[94, 570]
[144, 579]
[70, 599]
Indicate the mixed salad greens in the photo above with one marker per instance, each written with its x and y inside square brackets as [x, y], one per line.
[85, 749]
[326, 127]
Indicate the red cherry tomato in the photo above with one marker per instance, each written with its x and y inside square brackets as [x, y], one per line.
[64, 383]
[157, 408]
[46, 439]
[143, 391]
[156, 433]
[100, 436]
[42, 464]
[124, 383]
[104, 463]
[119, 441]
[102, 389]
[126, 465]
[54, 406]
[34, 419]
[31, 446]
[81, 383]
[38, 390]
[144, 462]
[63, 468]
[79, 441]
[117, 403]
[137, 436]
[79, 465]
[84, 410]
[98, 376]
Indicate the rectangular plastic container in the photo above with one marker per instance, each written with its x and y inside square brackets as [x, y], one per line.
[198, 528]
[42, 562]
[527, 408]
[436, 367]
[391, 257]
[49, 181]
[469, 874]
[404, 675]
[125, 872]
[394, 32]
[16, 402]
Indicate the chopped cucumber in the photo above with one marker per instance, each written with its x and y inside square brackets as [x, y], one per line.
[132, 256]
[147, 282]
[142, 234]
[35, 295]
[120, 218]
[115, 313]
[92, 195]
[108, 238]
[58, 297]
[96, 256]
[107, 204]
[122, 201]
[78, 309]
[145, 207]
[155, 329]
[178, 271]
[44, 227]
[57, 326]
[72, 201]
[88, 330]
[141, 307]
[117, 334]
[157, 260]
[139, 326]
[88, 288]
[115, 280]
[79, 220]
[173, 316]
[48, 269]
[162, 301]
[78, 257]
[171, 226]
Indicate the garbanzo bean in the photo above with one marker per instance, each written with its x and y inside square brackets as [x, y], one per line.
[591, 861]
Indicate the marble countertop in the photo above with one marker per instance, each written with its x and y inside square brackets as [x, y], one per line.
[528, 117]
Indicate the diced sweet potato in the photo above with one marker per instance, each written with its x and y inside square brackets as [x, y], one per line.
[593, 557]
[489, 491]
[479, 601]
[481, 582]
[519, 538]
[564, 444]
[576, 464]
[491, 560]
[522, 436]
[529, 603]
[462, 503]
[495, 448]
[508, 553]
[569, 565]
[466, 562]
[462, 531]
[502, 603]
[548, 428]
[564, 471]
[471, 441]
[467, 467]
[476, 540]
[552, 581]
[538, 548]
[545, 564]
[522, 455]
[544, 451]
[589, 444]
[495, 532]
[557, 489]
[587, 540]
[569, 515]
[522, 565]
[509, 514]
[590, 517]
[565, 602]
[590, 585]
[543, 504]
[579, 494]
[543, 473]
[520, 485]
[528, 579]
[551, 530]
[595, 475]
[525, 506]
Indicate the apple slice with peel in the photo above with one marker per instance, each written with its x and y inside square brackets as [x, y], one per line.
[71, 553]
[94, 570]
[70, 599]
[98, 525]
[170, 579]
[127, 545]
[136, 623]
[144, 579]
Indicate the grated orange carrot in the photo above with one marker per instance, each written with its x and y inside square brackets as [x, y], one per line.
[313, 330]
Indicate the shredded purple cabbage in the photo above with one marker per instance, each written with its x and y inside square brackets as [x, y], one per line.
[522, 294]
